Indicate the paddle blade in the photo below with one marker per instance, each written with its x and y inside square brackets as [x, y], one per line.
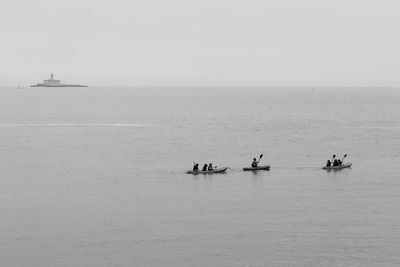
[261, 156]
[345, 155]
[334, 156]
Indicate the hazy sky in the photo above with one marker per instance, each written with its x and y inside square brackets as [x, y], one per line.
[203, 42]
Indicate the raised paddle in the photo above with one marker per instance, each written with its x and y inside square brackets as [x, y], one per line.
[345, 155]
[260, 158]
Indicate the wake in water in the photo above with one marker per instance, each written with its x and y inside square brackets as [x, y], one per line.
[76, 125]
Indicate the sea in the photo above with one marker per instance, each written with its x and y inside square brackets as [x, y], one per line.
[97, 176]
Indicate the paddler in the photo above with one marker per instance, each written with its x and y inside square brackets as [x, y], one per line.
[204, 168]
[254, 164]
[210, 167]
[196, 167]
[328, 163]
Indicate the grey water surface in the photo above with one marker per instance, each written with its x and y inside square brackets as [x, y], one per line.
[96, 177]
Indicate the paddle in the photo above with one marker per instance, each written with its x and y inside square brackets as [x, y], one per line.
[345, 155]
[260, 158]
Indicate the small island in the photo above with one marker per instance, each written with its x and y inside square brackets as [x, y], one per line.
[55, 83]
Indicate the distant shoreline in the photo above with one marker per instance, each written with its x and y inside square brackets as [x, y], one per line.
[197, 87]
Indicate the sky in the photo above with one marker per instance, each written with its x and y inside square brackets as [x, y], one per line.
[201, 43]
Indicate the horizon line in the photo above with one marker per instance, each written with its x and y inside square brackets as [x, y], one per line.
[7, 86]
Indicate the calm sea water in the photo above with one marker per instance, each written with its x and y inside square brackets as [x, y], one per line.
[96, 177]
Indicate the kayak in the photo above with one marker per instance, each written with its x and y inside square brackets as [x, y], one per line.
[217, 170]
[347, 165]
[266, 167]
